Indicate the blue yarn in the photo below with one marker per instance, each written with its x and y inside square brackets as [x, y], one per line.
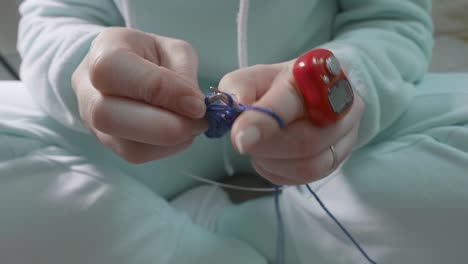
[340, 225]
[265, 111]
[221, 116]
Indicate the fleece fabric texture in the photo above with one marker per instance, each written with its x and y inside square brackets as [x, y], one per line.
[73, 201]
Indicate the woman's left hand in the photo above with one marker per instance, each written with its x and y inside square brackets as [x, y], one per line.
[300, 152]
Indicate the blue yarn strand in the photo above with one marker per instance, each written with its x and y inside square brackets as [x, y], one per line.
[340, 225]
[265, 111]
[221, 117]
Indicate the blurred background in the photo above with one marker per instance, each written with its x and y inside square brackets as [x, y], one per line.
[9, 58]
[450, 49]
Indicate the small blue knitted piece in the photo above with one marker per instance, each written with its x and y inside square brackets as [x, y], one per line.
[222, 115]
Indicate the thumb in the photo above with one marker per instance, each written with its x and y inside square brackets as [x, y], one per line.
[282, 98]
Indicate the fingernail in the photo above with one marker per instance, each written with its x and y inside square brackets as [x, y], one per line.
[192, 106]
[247, 138]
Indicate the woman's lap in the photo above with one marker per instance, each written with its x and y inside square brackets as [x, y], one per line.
[65, 199]
[402, 197]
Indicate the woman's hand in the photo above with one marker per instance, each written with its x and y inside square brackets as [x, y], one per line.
[300, 152]
[138, 94]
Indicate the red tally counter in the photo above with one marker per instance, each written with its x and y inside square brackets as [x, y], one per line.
[327, 93]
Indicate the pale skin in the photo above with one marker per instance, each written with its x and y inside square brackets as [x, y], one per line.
[129, 78]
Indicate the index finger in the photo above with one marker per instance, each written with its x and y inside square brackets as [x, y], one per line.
[283, 99]
[123, 73]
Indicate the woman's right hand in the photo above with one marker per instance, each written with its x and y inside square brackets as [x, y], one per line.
[138, 94]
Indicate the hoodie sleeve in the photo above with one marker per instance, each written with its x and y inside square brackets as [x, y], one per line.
[54, 36]
[385, 47]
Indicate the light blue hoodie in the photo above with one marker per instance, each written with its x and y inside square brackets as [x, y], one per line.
[384, 44]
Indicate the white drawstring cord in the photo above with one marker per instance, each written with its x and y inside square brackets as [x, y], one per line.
[126, 13]
[242, 18]
[228, 186]
[242, 58]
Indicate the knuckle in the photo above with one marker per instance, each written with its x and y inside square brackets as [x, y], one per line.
[98, 116]
[179, 45]
[260, 67]
[76, 77]
[183, 51]
[153, 89]
[227, 81]
[100, 64]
